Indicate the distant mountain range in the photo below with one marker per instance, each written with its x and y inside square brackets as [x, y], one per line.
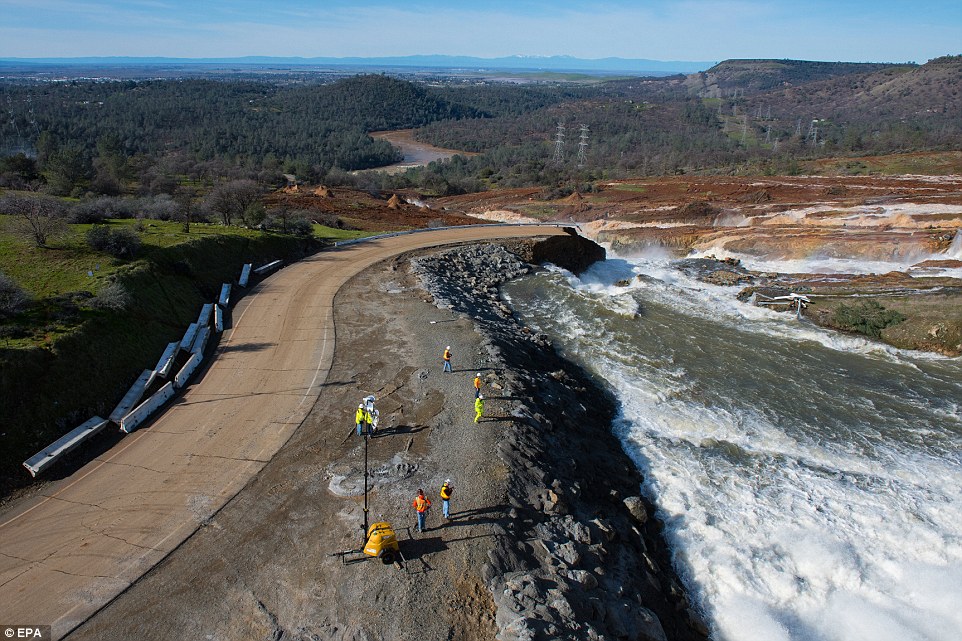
[467, 63]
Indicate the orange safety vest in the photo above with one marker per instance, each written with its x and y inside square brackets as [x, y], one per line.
[477, 383]
[421, 503]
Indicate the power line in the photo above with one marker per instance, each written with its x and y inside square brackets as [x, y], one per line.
[559, 144]
[583, 146]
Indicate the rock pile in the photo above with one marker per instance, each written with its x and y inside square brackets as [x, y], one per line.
[580, 557]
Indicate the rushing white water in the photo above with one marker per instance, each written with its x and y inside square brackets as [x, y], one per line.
[838, 265]
[810, 482]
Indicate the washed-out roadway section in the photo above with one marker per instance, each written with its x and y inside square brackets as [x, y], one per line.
[68, 552]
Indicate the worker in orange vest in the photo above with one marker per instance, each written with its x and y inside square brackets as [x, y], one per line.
[477, 385]
[447, 359]
[422, 504]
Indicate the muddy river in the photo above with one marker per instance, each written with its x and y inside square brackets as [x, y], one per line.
[416, 154]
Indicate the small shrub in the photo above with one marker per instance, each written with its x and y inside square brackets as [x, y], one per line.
[113, 296]
[120, 243]
[12, 297]
[867, 317]
[125, 243]
[98, 237]
[301, 227]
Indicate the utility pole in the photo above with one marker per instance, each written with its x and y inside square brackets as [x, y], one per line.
[364, 535]
[583, 146]
[559, 144]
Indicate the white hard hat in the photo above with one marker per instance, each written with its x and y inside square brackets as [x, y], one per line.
[478, 374]
[360, 406]
[447, 481]
[481, 396]
[448, 347]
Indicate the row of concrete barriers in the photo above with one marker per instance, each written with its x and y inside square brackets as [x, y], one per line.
[192, 344]
[131, 412]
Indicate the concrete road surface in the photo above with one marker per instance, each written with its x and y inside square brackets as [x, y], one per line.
[65, 554]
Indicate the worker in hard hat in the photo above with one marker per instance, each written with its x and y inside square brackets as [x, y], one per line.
[446, 490]
[374, 417]
[369, 419]
[477, 385]
[478, 408]
[447, 359]
[360, 418]
[422, 504]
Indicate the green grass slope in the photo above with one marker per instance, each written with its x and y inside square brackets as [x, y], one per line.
[49, 388]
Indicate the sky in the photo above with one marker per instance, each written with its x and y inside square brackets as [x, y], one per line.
[690, 30]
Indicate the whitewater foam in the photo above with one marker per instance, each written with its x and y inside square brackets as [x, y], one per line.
[809, 484]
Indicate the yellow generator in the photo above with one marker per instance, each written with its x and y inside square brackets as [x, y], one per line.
[382, 543]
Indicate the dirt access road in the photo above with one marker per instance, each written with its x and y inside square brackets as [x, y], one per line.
[66, 553]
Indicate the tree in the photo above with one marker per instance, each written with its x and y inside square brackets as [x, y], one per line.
[185, 208]
[66, 170]
[35, 218]
[231, 200]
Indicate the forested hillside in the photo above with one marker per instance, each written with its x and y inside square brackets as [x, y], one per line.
[755, 76]
[743, 116]
[78, 130]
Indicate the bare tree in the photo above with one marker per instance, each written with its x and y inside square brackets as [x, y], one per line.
[186, 208]
[35, 218]
[231, 200]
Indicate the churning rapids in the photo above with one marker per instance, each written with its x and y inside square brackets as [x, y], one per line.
[810, 482]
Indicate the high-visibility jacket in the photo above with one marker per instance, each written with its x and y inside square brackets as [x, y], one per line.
[367, 417]
[477, 382]
[421, 503]
[447, 354]
[359, 415]
[445, 492]
[478, 405]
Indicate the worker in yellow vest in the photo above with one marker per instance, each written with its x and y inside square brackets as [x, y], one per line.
[447, 359]
[446, 491]
[360, 418]
[478, 408]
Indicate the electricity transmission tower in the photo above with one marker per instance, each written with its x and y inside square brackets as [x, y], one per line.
[583, 146]
[559, 144]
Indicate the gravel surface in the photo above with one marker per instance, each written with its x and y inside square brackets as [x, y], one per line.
[548, 537]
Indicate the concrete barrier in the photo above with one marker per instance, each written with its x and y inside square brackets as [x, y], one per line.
[201, 341]
[130, 422]
[133, 395]
[189, 337]
[184, 374]
[167, 359]
[49, 455]
[245, 275]
[203, 320]
[269, 266]
[218, 318]
[224, 299]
